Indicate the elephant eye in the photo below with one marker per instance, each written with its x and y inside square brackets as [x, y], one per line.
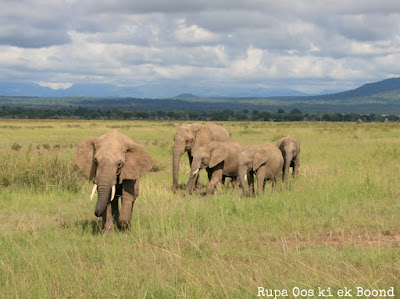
[95, 160]
[120, 164]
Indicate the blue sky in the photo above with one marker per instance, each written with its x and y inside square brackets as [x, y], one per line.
[307, 45]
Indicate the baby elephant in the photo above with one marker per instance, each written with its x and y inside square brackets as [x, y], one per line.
[220, 158]
[115, 163]
[265, 161]
[290, 148]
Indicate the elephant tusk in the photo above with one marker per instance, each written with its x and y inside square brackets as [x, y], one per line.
[187, 171]
[93, 191]
[197, 170]
[245, 177]
[112, 192]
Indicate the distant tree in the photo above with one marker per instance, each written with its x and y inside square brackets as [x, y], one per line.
[194, 115]
[295, 111]
[264, 115]
[219, 116]
[392, 117]
[161, 114]
[94, 115]
[128, 115]
[142, 115]
[294, 117]
[242, 116]
[378, 118]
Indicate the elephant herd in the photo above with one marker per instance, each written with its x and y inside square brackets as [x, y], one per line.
[115, 163]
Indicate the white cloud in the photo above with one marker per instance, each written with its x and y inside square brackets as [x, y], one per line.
[236, 42]
[56, 85]
[193, 34]
[250, 65]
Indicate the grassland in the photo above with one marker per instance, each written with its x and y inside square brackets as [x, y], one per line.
[336, 225]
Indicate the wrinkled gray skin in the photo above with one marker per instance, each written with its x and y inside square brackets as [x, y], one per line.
[113, 159]
[188, 138]
[290, 148]
[220, 159]
[265, 161]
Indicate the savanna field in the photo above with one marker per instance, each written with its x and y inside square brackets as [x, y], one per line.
[337, 225]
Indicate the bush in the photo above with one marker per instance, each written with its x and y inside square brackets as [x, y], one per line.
[39, 172]
[16, 147]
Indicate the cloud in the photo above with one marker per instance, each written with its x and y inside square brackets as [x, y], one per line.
[56, 85]
[193, 34]
[227, 42]
[33, 24]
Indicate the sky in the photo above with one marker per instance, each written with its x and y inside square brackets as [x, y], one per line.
[306, 45]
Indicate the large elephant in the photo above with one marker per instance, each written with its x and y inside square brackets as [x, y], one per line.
[188, 138]
[265, 161]
[115, 163]
[220, 158]
[290, 148]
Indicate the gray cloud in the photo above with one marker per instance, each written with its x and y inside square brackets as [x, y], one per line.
[232, 42]
[33, 24]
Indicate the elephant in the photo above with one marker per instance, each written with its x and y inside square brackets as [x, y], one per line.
[220, 158]
[115, 163]
[265, 161]
[189, 137]
[290, 148]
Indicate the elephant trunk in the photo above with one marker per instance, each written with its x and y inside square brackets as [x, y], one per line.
[194, 174]
[243, 177]
[177, 153]
[104, 196]
[286, 167]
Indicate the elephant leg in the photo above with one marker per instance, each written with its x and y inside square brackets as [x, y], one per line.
[296, 165]
[198, 183]
[130, 191]
[107, 217]
[235, 182]
[275, 182]
[223, 180]
[115, 205]
[190, 157]
[209, 174]
[286, 167]
[215, 179]
[260, 179]
[250, 180]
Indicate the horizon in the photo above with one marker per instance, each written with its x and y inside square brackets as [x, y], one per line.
[55, 88]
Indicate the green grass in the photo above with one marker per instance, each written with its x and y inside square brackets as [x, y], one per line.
[336, 225]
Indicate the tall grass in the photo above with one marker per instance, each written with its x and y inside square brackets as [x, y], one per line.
[39, 172]
[336, 225]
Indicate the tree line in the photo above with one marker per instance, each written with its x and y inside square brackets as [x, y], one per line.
[223, 115]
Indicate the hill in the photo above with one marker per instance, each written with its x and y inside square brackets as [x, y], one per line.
[379, 97]
[150, 90]
[369, 89]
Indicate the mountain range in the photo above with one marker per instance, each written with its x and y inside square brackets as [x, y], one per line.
[159, 90]
[378, 97]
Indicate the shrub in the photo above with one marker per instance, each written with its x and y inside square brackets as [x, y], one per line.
[16, 147]
[39, 172]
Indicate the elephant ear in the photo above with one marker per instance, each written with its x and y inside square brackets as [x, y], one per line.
[84, 157]
[260, 157]
[218, 155]
[279, 142]
[203, 136]
[138, 162]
